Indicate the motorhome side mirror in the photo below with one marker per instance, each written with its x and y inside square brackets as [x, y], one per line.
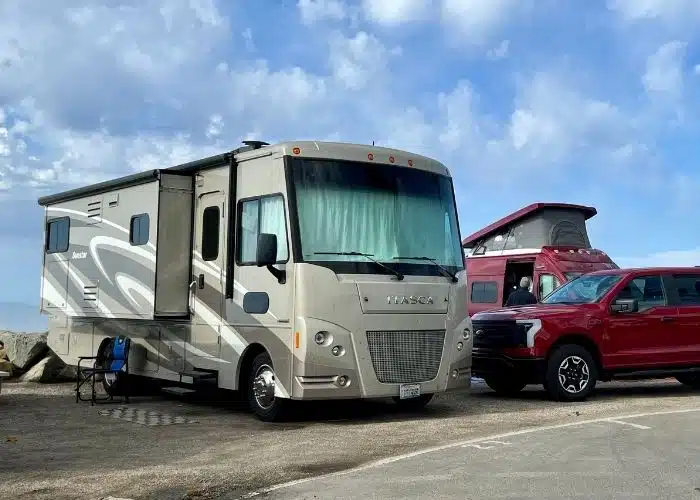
[266, 254]
[624, 306]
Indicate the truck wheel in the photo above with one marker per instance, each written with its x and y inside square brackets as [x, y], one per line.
[261, 391]
[506, 385]
[689, 379]
[571, 373]
[413, 404]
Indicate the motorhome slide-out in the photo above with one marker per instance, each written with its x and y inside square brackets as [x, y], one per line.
[547, 242]
[288, 272]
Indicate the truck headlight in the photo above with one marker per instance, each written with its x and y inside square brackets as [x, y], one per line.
[529, 327]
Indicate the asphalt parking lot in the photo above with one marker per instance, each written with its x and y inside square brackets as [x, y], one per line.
[51, 447]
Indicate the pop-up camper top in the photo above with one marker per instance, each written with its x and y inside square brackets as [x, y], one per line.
[547, 242]
[288, 271]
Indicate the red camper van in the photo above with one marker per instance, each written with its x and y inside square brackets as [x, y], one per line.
[547, 242]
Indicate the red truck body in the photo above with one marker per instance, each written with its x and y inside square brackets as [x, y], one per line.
[547, 242]
[616, 323]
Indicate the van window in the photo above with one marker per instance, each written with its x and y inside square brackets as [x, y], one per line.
[484, 292]
[210, 232]
[57, 235]
[688, 287]
[261, 215]
[548, 283]
[647, 290]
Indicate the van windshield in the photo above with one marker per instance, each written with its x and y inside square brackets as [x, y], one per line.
[382, 211]
[586, 289]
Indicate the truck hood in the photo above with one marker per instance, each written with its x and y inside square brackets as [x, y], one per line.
[530, 312]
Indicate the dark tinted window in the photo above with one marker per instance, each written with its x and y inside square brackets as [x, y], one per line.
[138, 232]
[210, 233]
[484, 292]
[688, 287]
[647, 290]
[57, 232]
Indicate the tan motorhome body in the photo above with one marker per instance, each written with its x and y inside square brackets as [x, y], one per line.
[165, 258]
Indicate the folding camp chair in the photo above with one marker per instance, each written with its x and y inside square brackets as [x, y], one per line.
[112, 359]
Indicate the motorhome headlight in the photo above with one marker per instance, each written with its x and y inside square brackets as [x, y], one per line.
[343, 380]
[337, 350]
[321, 337]
[455, 373]
[460, 346]
[466, 334]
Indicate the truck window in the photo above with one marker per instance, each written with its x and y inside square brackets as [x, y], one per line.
[647, 290]
[548, 283]
[265, 214]
[57, 235]
[688, 286]
[211, 218]
[138, 229]
[484, 292]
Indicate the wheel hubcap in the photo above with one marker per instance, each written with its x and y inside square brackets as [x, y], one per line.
[573, 374]
[264, 386]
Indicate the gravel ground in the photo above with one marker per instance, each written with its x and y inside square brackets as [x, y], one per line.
[53, 448]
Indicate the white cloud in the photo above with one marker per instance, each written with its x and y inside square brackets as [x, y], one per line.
[313, 11]
[682, 258]
[475, 20]
[355, 61]
[395, 12]
[498, 52]
[667, 10]
[664, 69]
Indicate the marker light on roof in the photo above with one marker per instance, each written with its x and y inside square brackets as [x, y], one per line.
[571, 251]
[370, 156]
[556, 250]
[296, 150]
[392, 159]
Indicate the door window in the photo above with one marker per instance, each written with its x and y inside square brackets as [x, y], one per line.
[688, 286]
[647, 290]
[210, 233]
[548, 283]
[261, 215]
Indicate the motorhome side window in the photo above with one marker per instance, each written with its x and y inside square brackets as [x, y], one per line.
[57, 235]
[265, 214]
[138, 229]
[484, 292]
[211, 218]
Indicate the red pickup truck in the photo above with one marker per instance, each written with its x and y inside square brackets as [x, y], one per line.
[604, 325]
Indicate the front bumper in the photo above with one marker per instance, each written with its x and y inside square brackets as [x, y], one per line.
[489, 362]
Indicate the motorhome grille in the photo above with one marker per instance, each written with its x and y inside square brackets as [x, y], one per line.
[406, 356]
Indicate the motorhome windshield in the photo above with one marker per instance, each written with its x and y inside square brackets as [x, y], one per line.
[585, 289]
[349, 208]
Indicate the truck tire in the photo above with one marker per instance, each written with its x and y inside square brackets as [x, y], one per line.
[689, 379]
[505, 385]
[261, 391]
[571, 373]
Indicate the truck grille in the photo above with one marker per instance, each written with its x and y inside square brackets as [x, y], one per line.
[498, 333]
[408, 356]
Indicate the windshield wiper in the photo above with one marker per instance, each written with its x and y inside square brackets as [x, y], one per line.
[445, 271]
[398, 275]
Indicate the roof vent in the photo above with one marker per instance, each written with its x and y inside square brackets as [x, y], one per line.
[255, 144]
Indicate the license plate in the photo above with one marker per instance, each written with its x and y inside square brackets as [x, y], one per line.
[409, 391]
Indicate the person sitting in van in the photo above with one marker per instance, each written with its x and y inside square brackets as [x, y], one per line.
[522, 296]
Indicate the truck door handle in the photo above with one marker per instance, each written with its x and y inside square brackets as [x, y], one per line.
[200, 279]
[667, 319]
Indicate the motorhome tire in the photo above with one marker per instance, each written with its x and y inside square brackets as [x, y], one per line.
[413, 404]
[571, 373]
[261, 391]
[689, 379]
[506, 385]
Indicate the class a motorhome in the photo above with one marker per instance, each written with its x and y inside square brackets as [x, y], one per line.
[294, 271]
[547, 242]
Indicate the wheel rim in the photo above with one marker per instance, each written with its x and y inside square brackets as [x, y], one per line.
[264, 387]
[574, 374]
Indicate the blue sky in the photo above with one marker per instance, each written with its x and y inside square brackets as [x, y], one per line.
[583, 102]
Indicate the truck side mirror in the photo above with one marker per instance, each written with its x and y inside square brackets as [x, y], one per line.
[624, 306]
[266, 255]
